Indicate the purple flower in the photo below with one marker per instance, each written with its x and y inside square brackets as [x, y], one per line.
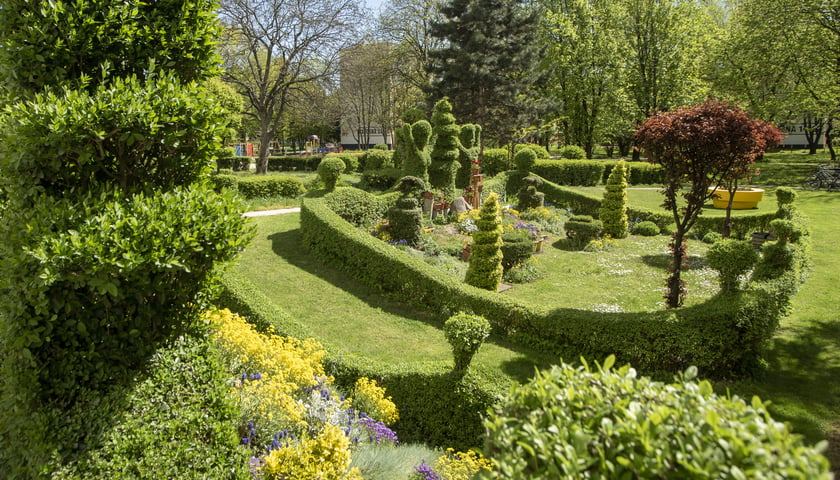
[427, 471]
[379, 433]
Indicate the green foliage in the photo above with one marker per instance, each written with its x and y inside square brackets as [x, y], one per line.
[350, 160]
[517, 248]
[468, 148]
[582, 229]
[183, 396]
[525, 159]
[525, 272]
[270, 186]
[131, 134]
[381, 179]
[83, 45]
[732, 259]
[603, 423]
[445, 152]
[572, 152]
[485, 270]
[406, 220]
[329, 171]
[785, 196]
[495, 161]
[297, 163]
[465, 333]
[541, 151]
[711, 237]
[376, 159]
[224, 182]
[234, 163]
[416, 159]
[380, 146]
[528, 195]
[585, 173]
[645, 229]
[786, 230]
[613, 211]
[355, 206]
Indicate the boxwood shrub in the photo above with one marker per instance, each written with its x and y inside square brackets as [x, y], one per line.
[383, 178]
[237, 164]
[290, 163]
[585, 173]
[495, 161]
[723, 336]
[270, 186]
[639, 173]
[582, 423]
[358, 207]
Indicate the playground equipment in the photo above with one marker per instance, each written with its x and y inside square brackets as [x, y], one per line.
[313, 144]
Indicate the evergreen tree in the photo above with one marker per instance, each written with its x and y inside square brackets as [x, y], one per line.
[613, 211]
[485, 269]
[445, 151]
[489, 62]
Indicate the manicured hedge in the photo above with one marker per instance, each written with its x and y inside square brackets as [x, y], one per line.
[294, 163]
[270, 186]
[640, 173]
[724, 336]
[585, 173]
[437, 407]
[237, 164]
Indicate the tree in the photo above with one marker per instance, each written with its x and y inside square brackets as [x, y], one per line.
[272, 49]
[366, 85]
[488, 63]
[485, 269]
[697, 148]
[407, 24]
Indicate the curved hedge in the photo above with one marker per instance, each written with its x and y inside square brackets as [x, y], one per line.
[437, 407]
[588, 173]
[722, 337]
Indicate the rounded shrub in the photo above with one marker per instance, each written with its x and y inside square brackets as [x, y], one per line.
[465, 333]
[517, 247]
[358, 207]
[329, 171]
[786, 230]
[600, 423]
[572, 152]
[645, 229]
[495, 160]
[525, 159]
[785, 196]
[731, 258]
[380, 146]
[376, 159]
[711, 237]
[541, 151]
[351, 161]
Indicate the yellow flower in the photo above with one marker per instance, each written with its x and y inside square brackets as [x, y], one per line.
[370, 398]
[461, 465]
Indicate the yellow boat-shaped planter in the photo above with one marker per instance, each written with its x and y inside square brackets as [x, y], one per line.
[744, 199]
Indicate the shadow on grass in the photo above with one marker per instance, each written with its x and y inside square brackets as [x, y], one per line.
[663, 261]
[287, 245]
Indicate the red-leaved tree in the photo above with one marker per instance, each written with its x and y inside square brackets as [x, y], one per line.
[698, 147]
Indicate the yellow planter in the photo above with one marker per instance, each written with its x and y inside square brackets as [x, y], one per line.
[743, 200]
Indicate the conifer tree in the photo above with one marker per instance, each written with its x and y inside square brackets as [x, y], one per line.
[485, 269]
[445, 151]
[488, 62]
[613, 211]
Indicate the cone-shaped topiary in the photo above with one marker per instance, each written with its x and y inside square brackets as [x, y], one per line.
[470, 137]
[416, 160]
[613, 211]
[445, 152]
[485, 270]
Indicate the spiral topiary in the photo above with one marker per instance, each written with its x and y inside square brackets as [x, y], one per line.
[485, 269]
[613, 211]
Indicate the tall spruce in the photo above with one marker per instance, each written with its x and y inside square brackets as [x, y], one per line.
[488, 64]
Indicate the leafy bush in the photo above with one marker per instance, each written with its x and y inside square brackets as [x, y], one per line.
[465, 333]
[711, 237]
[295, 163]
[579, 423]
[572, 152]
[525, 159]
[350, 160]
[525, 272]
[494, 161]
[517, 247]
[329, 171]
[224, 182]
[638, 173]
[528, 196]
[380, 146]
[582, 229]
[358, 207]
[381, 179]
[731, 258]
[645, 229]
[376, 159]
[270, 186]
[541, 151]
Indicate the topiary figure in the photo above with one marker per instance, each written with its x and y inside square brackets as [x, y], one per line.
[582, 229]
[445, 151]
[731, 258]
[405, 218]
[605, 423]
[376, 159]
[329, 170]
[613, 211]
[528, 195]
[485, 269]
[465, 333]
[525, 160]
[416, 159]
[470, 138]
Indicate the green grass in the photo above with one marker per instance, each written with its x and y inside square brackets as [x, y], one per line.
[349, 317]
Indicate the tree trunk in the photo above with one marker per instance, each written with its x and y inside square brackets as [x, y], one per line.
[829, 140]
[675, 294]
[266, 135]
[727, 219]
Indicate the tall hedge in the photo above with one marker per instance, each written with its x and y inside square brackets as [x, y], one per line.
[111, 234]
[445, 151]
